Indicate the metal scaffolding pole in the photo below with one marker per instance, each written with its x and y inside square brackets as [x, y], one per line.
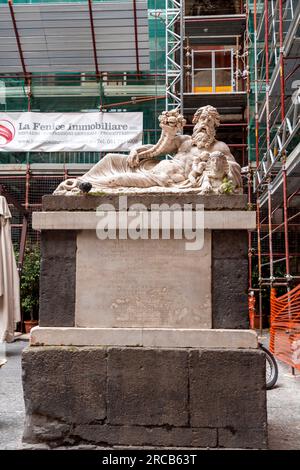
[281, 61]
[270, 232]
[286, 226]
[267, 78]
[256, 86]
[90, 4]
[136, 40]
[17, 36]
[259, 264]
[174, 54]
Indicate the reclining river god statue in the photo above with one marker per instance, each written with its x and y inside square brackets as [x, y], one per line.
[198, 162]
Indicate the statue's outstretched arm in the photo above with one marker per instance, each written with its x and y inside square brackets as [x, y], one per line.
[171, 122]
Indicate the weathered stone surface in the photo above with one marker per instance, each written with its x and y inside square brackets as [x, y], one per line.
[89, 203]
[147, 436]
[230, 244]
[147, 337]
[39, 428]
[229, 294]
[58, 244]
[65, 383]
[144, 397]
[230, 279]
[250, 438]
[165, 285]
[58, 278]
[227, 389]
[147, 387]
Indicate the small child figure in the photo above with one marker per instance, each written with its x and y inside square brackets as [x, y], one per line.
[198, 166]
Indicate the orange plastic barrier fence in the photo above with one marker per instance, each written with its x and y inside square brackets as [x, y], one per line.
[285, 327]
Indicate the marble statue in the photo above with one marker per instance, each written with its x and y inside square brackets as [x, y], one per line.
[198, 162]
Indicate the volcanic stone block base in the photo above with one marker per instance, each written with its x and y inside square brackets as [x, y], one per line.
[132, 396]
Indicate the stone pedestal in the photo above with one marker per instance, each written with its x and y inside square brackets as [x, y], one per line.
[141, 342]
[132, 396]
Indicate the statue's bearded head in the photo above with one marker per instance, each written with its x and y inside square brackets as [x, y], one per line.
[206, 119]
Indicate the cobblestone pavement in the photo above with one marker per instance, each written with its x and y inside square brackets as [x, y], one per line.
[283, 405]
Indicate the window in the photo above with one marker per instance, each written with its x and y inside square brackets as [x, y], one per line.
[212, 71]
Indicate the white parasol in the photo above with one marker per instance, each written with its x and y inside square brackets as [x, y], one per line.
[9, 278]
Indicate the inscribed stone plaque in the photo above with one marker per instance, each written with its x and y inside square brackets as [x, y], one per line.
[142, 283]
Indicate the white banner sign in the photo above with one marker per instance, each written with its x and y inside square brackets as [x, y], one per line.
[70, 132]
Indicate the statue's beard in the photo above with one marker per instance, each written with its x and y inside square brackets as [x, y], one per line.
[202, 138]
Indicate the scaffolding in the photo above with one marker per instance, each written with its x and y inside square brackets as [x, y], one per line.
[274, 147]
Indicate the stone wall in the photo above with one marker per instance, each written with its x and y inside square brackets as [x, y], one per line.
[201, 398]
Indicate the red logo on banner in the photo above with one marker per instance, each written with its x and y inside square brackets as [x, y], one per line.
[7, 132]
